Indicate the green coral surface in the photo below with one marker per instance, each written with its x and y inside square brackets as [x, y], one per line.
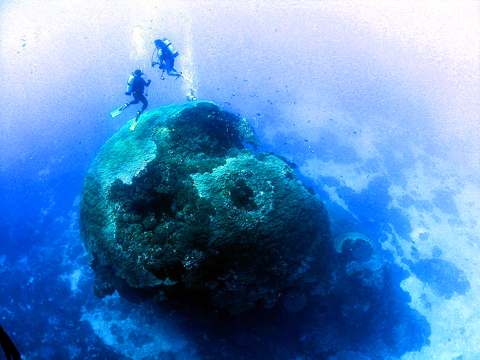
[180, 206]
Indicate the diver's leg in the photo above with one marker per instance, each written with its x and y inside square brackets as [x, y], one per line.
[171, 71]
[143, 99]
[136, 99]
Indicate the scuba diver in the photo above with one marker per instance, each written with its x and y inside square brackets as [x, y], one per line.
[8, 347]
[135, 87]
[166, 53]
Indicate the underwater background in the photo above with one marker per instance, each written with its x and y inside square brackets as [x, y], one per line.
[376, 102]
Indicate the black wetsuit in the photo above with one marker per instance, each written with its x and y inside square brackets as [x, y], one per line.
[137, 91]
[167, 61]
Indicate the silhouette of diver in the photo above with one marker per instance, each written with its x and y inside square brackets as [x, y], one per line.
[166, 57]
[166, 54]
[135, 87]
[8, 347]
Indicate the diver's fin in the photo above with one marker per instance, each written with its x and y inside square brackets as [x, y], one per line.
[181, 75]
[118, 111]
[189, 80]
[135, 123]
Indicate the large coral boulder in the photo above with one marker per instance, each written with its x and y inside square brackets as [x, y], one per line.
[180, 207]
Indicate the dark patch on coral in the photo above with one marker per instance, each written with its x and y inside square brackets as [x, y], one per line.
[242, 196]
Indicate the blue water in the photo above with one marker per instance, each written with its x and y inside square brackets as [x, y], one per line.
[359, 96]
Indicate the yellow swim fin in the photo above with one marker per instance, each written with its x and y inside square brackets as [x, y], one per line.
[134, 125]
[118, 111]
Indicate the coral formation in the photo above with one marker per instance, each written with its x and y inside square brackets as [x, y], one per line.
[181, 207]
[182, 210]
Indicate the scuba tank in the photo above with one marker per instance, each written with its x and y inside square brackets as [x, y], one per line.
[128, 90]
[171, 49]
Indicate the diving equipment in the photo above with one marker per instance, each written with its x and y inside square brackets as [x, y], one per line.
[171, 49]
[131, 80]
[189, 80]
[180, 74]
[118, 111]
[134, 125]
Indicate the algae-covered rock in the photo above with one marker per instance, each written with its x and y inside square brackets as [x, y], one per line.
[181, 208]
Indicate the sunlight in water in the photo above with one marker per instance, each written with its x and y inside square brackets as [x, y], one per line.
[139, 43]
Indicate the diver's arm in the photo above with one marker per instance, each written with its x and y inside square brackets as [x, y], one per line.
[145, 83]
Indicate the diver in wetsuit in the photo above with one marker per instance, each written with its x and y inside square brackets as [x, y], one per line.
[138, 85]
[135, 87]
[166, 57]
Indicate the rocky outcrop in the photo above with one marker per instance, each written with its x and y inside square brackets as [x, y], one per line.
[180, 207]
